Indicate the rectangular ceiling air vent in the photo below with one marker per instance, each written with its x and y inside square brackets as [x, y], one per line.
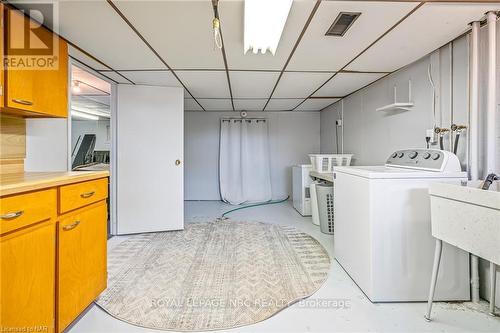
[342, 23]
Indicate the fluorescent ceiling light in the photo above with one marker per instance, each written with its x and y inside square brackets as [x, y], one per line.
[91, 111]
[83, 115]
[264, 23]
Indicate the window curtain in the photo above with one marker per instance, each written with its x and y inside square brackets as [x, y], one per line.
[244, 162]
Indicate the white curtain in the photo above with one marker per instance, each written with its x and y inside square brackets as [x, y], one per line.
[244, 162]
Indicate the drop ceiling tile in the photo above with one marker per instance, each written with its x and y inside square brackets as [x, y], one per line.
[427, 29]
[247, 84]
[232, 18]
[84, 59]
[316, 104]
[249, 104]
[98, 29]
[205, 84]
[191, 105]
[153, 78]
[115, 77]
[216, 104]
[299, 85]
[319, 52]
[180, 31]
[286, 104]
[345, 83]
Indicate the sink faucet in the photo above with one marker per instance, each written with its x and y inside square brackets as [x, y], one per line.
[489, 180]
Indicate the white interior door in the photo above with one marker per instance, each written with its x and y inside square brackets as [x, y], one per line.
[150, 134]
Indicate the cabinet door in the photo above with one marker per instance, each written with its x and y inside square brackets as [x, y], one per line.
[42, 91]
[27, 279]
[82, 271]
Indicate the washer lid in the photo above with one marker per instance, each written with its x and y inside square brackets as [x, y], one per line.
[383, 172]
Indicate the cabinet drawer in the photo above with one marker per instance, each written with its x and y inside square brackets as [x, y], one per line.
[24, 209]
[78, 195]
[82, 271]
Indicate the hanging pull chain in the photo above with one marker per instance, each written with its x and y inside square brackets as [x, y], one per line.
[217, 35]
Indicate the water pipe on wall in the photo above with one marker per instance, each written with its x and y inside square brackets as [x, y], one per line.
[431, 81]
[457, 129]
[342, 128]
[491, 18]
[473, 133]
[451, 148]
[441, 132]
[474, 102]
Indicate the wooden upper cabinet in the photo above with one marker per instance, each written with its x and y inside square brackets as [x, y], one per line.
[36, 84]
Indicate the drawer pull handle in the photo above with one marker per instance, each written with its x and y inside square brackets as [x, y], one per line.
[22, 101]
[87, 194]
[71, 226]
[11, 216]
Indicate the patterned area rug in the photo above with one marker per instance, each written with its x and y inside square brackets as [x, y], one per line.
[213, 275]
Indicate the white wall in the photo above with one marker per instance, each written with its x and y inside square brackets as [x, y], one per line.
[372, 135]
[97, 127]
[46, 145]
[329, 132]
[293, 135]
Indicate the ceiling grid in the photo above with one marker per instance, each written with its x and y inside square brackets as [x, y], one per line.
[130, 42]
[311, 15]
[363, 51]
[110, 2]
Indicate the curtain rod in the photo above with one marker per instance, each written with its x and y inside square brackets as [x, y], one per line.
[228, 119]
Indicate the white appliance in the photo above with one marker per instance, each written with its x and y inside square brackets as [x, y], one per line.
[300, 188]
[383, 227]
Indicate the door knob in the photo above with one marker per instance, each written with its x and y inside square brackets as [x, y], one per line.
[177, 162]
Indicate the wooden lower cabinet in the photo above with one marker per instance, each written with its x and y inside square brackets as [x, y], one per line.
[27, 280]
[51, 266]
[82, 271]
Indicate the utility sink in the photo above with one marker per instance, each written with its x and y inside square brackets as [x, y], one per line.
[468, 217]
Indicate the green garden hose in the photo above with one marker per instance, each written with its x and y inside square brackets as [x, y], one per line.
[272, 202]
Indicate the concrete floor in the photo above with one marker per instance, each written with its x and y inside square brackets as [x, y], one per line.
[359, 314]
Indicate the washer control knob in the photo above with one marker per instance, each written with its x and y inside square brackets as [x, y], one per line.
[413, 155]
[436, 156]
[400, 155]
[427, 156]
[394, 155]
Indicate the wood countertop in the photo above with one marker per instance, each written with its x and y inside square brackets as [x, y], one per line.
[31, 181]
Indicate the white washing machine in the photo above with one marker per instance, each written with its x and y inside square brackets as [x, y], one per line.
[383, 228]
